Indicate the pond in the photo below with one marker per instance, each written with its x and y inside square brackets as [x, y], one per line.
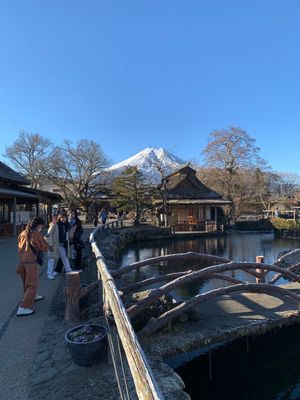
[237, 246]
[265, 367]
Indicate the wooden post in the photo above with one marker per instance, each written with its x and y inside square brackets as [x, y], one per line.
[72, 296]
[260, 271]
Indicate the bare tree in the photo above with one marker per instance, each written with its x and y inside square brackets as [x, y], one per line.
[234, 159]
[284, 189]
[232, 149]
[29, 154]
[79, 170]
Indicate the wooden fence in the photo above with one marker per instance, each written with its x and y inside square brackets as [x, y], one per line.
[145, 384]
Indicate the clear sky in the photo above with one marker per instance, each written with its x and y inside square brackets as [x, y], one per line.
[131, 74]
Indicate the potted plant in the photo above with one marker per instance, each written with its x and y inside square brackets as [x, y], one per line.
[87, 343]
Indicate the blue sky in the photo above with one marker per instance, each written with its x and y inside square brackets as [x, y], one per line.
[160, 73]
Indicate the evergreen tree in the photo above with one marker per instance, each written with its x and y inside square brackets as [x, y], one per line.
[133, 193]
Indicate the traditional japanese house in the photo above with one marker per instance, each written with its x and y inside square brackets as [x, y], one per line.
[187, 204]
[18, 203]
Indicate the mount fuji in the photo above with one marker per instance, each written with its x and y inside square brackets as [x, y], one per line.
[148, 161]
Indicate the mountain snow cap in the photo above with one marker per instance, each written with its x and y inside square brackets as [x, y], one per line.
[149, 161]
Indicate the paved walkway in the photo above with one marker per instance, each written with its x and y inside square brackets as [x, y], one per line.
[18, 336]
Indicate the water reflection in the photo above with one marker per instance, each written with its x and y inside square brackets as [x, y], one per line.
[263, 367]
[242, 247]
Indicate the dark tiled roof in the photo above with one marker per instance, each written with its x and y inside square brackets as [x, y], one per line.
[47, 195]
[7, 174]
[183, 184]
[7, 191]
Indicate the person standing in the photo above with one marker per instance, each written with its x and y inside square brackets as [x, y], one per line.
[95, 222]
[103, 215]
[30, 238]
[76, 232]
[63, 237]
[52, 239]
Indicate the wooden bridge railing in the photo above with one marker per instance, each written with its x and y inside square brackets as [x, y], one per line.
[221, 265]
[117, 223]
[144, 381]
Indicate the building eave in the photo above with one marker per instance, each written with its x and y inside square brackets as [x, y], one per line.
[195, 201]
[8, 192]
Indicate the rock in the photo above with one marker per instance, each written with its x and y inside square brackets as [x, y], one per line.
[154, 310]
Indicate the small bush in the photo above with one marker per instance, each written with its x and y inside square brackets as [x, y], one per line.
[289, 224]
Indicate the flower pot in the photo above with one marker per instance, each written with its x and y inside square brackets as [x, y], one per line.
[87, 343]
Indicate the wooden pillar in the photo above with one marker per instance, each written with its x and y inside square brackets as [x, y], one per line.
[72, 296]
[260, 271]
[14, 221]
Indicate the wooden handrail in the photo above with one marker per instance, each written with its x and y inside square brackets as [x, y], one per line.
[144, 381]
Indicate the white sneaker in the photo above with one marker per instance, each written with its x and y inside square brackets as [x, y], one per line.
[23, 312]
[38, 297]
[51, 276]
[55, 273]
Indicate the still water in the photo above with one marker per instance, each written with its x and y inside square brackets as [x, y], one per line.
[243, 247]
[263, 367]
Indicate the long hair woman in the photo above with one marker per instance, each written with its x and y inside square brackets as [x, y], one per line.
[29, 240]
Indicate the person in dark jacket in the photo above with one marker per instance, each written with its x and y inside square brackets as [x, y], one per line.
[103, 215]
[76, 232]
[63, 238]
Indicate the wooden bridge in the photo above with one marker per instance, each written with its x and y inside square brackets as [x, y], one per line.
[145, 384]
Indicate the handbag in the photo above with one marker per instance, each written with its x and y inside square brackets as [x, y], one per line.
[39, 254]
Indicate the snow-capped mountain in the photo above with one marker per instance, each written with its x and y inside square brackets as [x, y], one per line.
[148, 161]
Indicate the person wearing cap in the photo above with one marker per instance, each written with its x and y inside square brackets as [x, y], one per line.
[63, 238]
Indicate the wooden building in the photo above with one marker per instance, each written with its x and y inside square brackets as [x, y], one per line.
[19, 203]
[187, 204]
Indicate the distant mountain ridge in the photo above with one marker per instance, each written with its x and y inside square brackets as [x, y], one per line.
[147, 161]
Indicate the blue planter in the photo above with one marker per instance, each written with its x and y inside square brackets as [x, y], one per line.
[87, 353]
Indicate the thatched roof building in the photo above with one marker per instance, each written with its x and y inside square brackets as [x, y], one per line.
[187, 203]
